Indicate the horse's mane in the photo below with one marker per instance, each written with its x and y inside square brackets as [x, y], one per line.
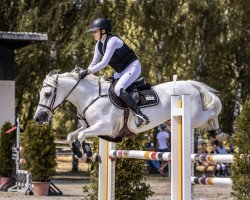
[74, 75]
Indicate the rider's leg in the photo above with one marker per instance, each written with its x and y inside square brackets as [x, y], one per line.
[127, 77]
[126, 98]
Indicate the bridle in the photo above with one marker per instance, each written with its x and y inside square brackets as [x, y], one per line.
[54, 85]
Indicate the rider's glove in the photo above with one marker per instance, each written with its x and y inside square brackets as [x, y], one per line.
[83, 73]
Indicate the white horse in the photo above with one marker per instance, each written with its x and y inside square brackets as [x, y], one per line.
[100, 117]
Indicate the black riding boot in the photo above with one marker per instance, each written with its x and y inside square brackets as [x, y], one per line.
[129, 101]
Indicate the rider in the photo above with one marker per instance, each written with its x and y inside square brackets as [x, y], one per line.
[121, 58]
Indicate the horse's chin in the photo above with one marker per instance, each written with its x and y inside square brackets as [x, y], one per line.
[40, 123]
[43, 118]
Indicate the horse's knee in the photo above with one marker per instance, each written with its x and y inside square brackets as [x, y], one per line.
[81, 137]
[71, 137]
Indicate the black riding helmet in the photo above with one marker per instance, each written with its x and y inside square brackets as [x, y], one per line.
[100, 23]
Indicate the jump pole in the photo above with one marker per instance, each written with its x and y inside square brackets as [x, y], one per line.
[106, 180]
[180, 148]
[166, 156]
[180, 154]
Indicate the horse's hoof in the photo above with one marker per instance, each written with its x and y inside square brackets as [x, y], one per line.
[223, 137]
[85, 159]
[96, 158]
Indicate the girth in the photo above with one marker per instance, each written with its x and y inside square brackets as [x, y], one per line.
[124, 132]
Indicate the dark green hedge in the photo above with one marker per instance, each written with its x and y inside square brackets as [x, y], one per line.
[39, 151]
[241, 166]
[5, 151]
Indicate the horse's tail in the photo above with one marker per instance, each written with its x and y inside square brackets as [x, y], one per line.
[208, 95]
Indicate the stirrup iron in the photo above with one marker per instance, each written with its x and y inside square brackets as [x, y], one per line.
[141, 120]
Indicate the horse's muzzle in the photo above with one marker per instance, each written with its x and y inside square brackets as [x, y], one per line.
[41, 117]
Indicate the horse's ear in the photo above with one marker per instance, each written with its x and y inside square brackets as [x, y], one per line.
[56, 79]
[53, 72]
[77, 70]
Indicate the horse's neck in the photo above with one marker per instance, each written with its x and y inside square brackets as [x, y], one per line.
[86, 91]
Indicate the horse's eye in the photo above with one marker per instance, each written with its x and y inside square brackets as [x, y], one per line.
[47, 95]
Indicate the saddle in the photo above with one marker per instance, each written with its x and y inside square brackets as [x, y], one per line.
[143, 94]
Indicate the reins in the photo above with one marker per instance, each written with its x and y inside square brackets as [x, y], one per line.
[68, 94]
[91, 103]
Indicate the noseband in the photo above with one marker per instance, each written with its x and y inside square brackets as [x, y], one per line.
[50, 107]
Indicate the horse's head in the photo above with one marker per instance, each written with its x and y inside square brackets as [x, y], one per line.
[48, 99]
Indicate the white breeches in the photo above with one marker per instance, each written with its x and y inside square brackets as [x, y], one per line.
[127, 76]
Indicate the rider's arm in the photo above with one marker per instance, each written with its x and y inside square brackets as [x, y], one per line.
[96, 58]
[113, 44]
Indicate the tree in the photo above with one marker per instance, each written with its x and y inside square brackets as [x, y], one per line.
[241, 165]
[239, 27]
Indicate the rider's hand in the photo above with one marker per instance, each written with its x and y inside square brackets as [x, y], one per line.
[84, 73]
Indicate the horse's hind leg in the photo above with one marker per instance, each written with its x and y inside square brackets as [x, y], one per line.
[215, 131]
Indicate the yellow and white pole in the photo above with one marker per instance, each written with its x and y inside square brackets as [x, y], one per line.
[180, 148]
[106, 182]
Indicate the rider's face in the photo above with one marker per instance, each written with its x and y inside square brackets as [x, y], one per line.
[96, 34]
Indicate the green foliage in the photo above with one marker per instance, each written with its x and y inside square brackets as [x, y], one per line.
[6, 151]
[130, 180]
[130, 177]
[241, 166]
[39, 151]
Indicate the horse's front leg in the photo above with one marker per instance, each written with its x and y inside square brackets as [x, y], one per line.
[72, 140]
[95, 130]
